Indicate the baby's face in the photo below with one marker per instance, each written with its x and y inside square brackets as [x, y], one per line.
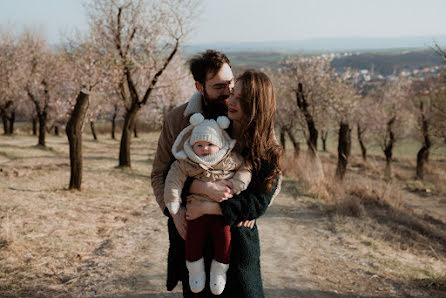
[203, 148]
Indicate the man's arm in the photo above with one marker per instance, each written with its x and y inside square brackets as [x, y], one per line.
[241, 209]
[161, 164]
[248, 205]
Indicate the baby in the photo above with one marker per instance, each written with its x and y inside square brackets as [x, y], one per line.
[203, 151]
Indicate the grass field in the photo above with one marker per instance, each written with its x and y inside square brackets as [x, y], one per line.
[366, 237]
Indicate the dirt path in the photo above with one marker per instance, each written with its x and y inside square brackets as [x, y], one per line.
[301, 257]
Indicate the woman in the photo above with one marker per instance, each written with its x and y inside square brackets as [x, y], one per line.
[251, 107]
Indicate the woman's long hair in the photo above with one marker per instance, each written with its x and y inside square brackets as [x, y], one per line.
[257, 138]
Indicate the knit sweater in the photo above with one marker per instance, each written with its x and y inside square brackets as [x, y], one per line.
[243, 277]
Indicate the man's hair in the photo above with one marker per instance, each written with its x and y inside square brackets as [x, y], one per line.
[208, 62]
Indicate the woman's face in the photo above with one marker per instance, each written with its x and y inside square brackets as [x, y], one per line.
[235, 112]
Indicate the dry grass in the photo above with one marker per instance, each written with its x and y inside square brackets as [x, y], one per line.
[382, 215]
[46, 231]
[110, 239]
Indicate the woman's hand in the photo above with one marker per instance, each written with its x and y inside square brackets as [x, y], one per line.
[247, 223]
[179, 219]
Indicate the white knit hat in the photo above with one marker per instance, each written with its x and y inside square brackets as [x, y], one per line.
[212, 131]
[208, 130]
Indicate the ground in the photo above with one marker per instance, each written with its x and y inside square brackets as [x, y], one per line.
[110, 239]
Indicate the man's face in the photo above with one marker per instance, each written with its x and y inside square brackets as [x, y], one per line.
[216, 91]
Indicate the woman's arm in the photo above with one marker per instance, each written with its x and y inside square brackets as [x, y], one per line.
[249, 204]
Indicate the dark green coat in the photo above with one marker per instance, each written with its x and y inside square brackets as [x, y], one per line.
[243, 277]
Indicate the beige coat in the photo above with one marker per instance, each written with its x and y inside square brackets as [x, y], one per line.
[231, 167]
[173, 124]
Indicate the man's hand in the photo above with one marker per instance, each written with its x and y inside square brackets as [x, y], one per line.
[247, 223]
[219, 190]
[179, 219]
[194, 208]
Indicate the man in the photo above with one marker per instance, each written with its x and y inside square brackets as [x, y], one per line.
[214, 82]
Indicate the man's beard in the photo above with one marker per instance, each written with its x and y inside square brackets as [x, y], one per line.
[212, 108]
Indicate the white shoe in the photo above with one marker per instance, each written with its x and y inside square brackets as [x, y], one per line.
[197, 275]
[218, 277]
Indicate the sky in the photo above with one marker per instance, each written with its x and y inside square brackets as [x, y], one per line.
[257, 20]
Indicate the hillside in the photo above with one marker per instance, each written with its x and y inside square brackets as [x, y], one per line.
[389, 63]
[384, 62]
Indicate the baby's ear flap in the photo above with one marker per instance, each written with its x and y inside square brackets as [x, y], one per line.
[223, 122]
[181, 155]
[196, 119]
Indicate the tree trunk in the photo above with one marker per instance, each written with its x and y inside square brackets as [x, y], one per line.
[296, 144]
[74, 134]
[324, 137]
[388, 168]
[42, 132]
[137, 103]
[93, 130]
[423, 154]
[313, 133]
[388, 149]
[135, 131]
[124, 150]
[344, 147]
[5, 119]
[5, 124]
[34, 121]
[282, 137]
[56, 130]
[421, 161]
[361, 143]
[114, 125]
[41, 113]
[11, 120]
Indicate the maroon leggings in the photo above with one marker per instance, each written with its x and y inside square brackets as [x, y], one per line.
[197, 231]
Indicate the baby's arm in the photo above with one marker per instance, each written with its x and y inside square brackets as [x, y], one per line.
[241, 178]
[173, 186]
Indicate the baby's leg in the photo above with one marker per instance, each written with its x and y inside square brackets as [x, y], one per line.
[196, 235]
[221, 236]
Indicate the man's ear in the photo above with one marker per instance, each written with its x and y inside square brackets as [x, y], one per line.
[199, 86]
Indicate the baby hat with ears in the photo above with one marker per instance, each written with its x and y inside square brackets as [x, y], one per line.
[208, 130]
[200, 129]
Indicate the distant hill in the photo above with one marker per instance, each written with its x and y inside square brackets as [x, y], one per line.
[389, 63]
[323, 45]
[381, 62]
